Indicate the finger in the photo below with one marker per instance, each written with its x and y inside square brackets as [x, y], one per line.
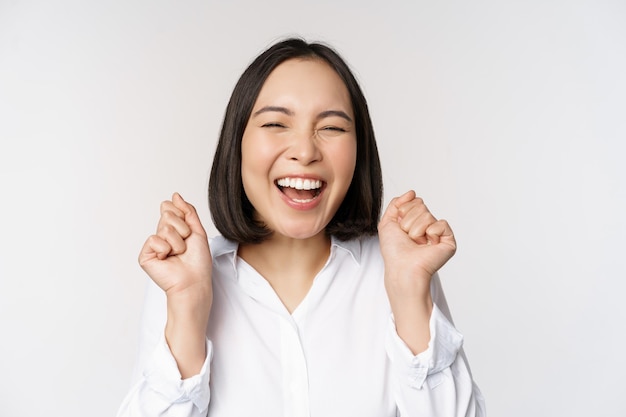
[415, 218]
[392, 213]
[169, 234]
[154, 247]
[415, 205]
[440, 230]
[410, 211]
[404, 198]
[190, 213]
[169, 219]
[417, 226]
[169, 206]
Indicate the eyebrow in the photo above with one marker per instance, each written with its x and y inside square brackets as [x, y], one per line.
[331, 113]
[273, 108]
[286, 111]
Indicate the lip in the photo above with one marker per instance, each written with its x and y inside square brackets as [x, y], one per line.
[297, 205]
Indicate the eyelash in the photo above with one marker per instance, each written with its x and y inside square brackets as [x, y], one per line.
[273, 125]
[334, 128]
[330, 128]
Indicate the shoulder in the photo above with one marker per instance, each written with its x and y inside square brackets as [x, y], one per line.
[224, 254]
[370, 243]
[370, 252]
[219, 246]
[365, 250]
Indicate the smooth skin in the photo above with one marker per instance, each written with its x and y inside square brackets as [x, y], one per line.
[307, 136]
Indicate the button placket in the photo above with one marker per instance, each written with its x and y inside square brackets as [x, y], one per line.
[295, 374]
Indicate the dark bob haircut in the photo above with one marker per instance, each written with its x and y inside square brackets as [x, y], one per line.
[232, 212]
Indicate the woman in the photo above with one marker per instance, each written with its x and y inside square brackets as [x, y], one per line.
[307, 305]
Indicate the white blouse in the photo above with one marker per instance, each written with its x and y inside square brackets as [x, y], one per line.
[337, 354]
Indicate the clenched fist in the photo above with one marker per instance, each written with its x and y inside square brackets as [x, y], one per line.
[177, 257]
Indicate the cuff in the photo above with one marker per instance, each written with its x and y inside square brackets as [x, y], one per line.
[162, 376]
[443, 347]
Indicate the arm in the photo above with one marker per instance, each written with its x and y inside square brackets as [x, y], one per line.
[414, 245]
[175, 353]
[438, 381]
[431, 375]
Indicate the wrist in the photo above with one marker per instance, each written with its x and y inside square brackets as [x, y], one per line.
[189, 307]
[412, 309]
[185, 329]
[408, 284]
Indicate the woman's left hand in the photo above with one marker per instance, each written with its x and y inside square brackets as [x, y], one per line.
[414, 245]
[412, 241]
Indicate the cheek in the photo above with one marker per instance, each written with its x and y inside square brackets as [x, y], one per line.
[257, 159]
[345, 159]
[248, 163]
[251, 159]
[247, 149]
[257, 153]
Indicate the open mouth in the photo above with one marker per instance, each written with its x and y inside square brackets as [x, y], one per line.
[300, 190]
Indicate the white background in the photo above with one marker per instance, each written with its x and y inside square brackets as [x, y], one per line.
[507, 117]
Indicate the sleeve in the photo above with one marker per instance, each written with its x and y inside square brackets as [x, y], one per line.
[157, 388]
[438, 381]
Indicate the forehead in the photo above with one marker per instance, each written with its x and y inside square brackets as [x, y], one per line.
[309, 80]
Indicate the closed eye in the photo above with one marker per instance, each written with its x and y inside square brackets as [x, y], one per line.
[333, 128]
[331, 131]
[273, 124]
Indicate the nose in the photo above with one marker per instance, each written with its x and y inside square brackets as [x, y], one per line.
[304, 147]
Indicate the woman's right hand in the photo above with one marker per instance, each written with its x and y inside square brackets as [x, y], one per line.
[178, 260]
[177, 257]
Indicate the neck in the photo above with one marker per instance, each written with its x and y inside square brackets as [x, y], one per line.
[289, 265]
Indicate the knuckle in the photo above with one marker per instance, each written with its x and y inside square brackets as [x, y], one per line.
[168, 215]
[169, 209]
[413, 234]
[152, 240]
[186, 232]
[166, 229]
[405, 224]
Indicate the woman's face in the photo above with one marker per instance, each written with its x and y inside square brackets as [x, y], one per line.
[298, 151]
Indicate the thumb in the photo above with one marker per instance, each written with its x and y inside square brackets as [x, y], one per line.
[191, 215]
[392, 212]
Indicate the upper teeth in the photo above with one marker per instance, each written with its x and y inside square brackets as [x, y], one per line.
[300, 184]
